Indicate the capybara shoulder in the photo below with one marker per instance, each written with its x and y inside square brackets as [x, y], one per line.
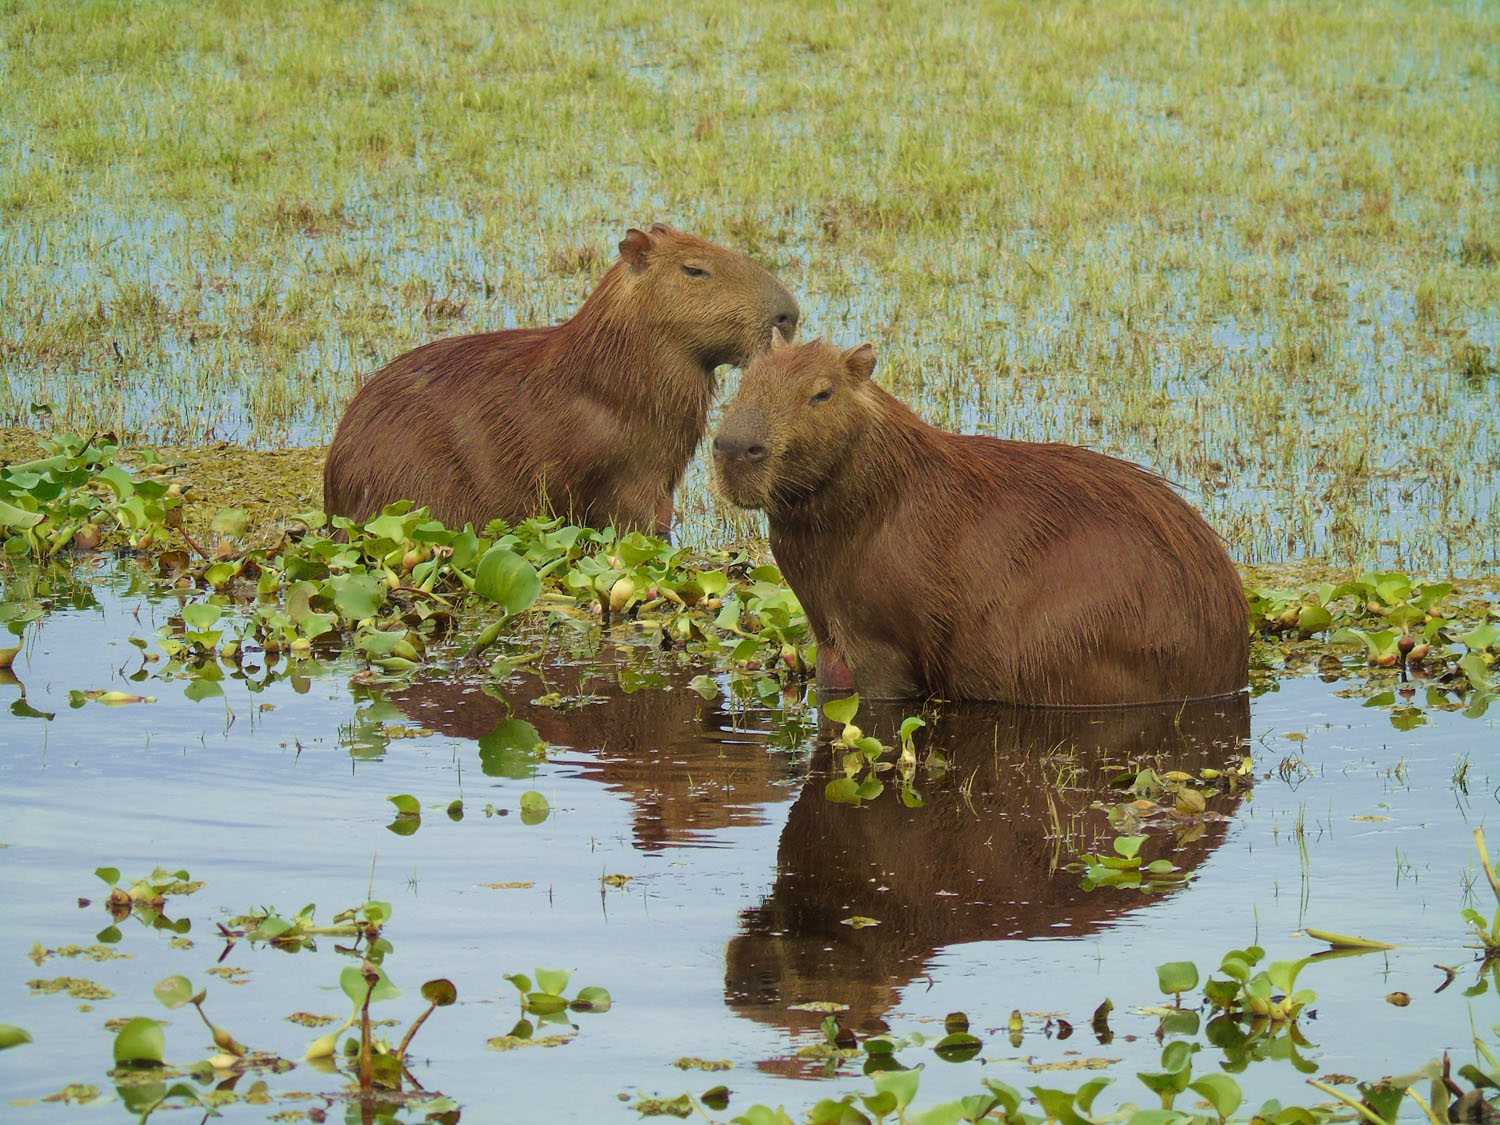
[594, 418]
[967, 567]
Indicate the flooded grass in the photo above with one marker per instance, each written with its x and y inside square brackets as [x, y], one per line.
[578, 784]
[1253, 249]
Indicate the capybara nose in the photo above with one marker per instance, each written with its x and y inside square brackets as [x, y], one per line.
[737, 449]
[786, 320]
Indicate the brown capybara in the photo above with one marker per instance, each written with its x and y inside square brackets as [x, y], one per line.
[969, 567]
[594, 418]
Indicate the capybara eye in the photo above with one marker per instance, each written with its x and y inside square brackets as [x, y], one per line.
[822, 396]
[694, 271]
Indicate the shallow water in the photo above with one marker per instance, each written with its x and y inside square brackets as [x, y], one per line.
[742, 875]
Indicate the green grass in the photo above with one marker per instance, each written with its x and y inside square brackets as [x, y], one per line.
[1252, 245]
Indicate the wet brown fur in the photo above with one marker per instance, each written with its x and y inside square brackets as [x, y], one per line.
[969, 567]
[594, 418]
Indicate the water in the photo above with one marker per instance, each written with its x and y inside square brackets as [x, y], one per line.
[742, 876]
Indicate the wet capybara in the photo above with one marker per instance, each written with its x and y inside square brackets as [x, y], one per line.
[594, 418]
[967, 567]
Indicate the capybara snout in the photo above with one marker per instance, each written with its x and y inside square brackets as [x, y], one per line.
[967, 567]
[594, 419]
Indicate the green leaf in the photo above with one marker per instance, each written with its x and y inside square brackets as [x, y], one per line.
[13, 1036]
[173, 991]
[1177, 977]
[506, 578]
[842, 711]
[141, 1042]
[439, 992]
[352, 981]
[1128, 846]
[230, 522]
[958, 1047]
[901, 1084]
[110, 875]
[521, 981]
[1220, 1091]
[553, 981]
[591, 999]
[201, 615]
[534, 807]
[406, 804]
[545, 1003]
[357, 596]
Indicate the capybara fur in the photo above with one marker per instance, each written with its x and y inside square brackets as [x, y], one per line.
[594, 418]
[967, 567]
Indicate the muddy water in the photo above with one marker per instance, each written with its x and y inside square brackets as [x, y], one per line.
[743, 880]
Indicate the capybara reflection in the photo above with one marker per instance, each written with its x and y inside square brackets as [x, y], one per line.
[594, 418]
[1026, 790]
[968, 567]
[688, 767]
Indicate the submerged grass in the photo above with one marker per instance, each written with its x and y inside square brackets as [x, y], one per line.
[1254, 246]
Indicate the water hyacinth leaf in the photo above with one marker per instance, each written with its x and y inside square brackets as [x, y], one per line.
[110, 875]
[173, 991]
[230, 522]
[357, 596]
[507, 579]
[1177, 977]
[439, 992]
[763, 1115]
[521, 981]
[553, 981]
[704, 686]
[1220, 1091]
[901, 1084]
[13, 1036]
[534, 807]
[406, 804]
[1345, 941]
[141, 1042]
[842, 710]
[959, 1046]
[715, 1098]
[545, 1003]
[591, 998]
[352, 981]
[1128, 846]
[201, 615]
[909, 726]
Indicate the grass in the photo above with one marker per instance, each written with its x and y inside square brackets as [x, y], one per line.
[1251, 245]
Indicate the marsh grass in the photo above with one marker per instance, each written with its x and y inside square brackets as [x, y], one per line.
[1250, 245]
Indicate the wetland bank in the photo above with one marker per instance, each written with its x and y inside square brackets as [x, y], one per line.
[1253, 247]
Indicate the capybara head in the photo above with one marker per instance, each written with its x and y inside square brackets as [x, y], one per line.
[718, 304]
[798, 410]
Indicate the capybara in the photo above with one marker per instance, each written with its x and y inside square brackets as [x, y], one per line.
[594, 418]
[967, 567]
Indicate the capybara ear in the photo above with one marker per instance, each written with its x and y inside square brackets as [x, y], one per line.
[635, 249]
[860, 361]
[778, 340]
[662, 228]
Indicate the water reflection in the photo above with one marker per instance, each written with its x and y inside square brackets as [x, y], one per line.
[979, 862]
[689, 766]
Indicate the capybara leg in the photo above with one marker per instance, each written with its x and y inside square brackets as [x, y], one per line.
[833, 673]
[664, 517]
